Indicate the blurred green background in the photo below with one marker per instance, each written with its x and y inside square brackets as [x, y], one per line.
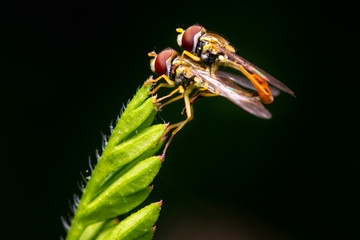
[68, 67]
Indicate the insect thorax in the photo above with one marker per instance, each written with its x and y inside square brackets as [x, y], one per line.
[182, 76]
[205, 50]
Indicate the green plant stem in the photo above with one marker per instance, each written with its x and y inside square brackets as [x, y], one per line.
[120, 180]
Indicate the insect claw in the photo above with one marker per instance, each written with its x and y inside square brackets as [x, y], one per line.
[163, 138]
[183, 111]
[157, 106]
[160, 107]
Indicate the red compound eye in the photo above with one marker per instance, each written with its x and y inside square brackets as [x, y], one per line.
[190, 37]
[163, 59]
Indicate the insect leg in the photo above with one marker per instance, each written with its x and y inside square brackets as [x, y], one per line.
[202, 92]
[171, 100]
[189, 54]
[208, 94]
[189, 113]
[180, 125]
[179, 89]
[166, 78]
[159, 86]
[199, 95]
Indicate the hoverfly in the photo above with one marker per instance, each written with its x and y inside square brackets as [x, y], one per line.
[213, 50]
[193, 81]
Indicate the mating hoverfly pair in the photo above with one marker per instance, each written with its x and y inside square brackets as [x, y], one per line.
[195, 74]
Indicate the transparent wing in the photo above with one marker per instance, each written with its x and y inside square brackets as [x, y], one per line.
[243, 81]
[254, 69]
[247, 100]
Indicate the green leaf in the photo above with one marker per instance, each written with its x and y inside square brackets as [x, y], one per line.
[138, 224]
[121, 171]
[98, 231]
[108, 207]
[147, 236]
[130, 121]
[127, 192]
[126, 152]
[138, 177]
[92, 231]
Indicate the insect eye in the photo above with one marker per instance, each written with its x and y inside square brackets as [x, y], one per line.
[163, 61]
[190, 37]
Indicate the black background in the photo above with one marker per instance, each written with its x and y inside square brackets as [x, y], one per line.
[67, 67]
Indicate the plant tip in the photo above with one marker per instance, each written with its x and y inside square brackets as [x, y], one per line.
[148, 80]
[160, 203]
[162, 158]
[153, 228]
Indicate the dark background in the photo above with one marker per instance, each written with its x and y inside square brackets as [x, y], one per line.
[67, 68]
